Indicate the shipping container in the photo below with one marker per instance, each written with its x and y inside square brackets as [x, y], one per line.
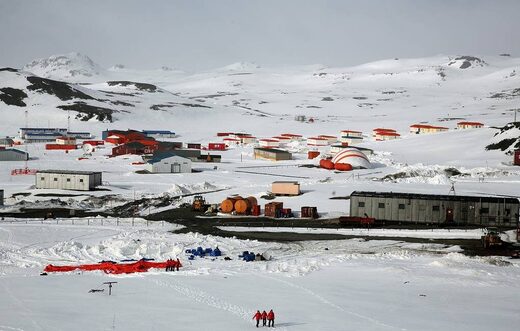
[273, 209]
[309, 212]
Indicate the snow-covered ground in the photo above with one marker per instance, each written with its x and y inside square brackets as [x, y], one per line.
[318, 285]
[326, 285]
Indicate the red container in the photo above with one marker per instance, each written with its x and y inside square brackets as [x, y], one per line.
[271, 208]
[94, 142]
[326, 164]
[343, 166]
[313, 154]
[517, 157]
[217, 146]
[60, 147]
[255, 210]
[309, 212]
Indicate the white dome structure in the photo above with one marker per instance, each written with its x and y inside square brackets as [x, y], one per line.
[352, 156]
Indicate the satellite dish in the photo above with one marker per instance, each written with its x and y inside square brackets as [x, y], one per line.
[88, 148]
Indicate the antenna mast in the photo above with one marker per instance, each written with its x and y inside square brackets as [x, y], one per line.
[25, 137]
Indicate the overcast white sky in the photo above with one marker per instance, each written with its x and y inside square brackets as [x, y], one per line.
[198, 34]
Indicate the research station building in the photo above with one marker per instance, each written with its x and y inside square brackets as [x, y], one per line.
[435, 209]
[68, 180]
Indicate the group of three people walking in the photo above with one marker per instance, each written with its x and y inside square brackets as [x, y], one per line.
[265, 317]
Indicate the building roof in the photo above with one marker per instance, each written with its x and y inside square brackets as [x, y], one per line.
[68, 172]
[470, 123]
[158, 132]
[14, 150]
[45, 129]
[383, 129]
[286, 182]
[159, 156]
[352, 131]
[399, 195]
[427, 126]
[50, 134]
[273, 150]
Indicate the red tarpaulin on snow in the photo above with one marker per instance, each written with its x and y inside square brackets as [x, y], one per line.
[116, 268]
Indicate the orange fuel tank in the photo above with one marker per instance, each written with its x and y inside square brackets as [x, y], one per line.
[228, 205]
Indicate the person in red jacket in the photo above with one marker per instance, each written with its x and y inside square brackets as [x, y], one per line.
[270, 318]
[264, 318]
[257, 317]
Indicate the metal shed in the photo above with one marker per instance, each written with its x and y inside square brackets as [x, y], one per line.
[272, 154]
[169, 164]
[430, 208]
[13, 154]
[68, 180]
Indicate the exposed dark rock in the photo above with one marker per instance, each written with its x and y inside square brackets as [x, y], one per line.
[12, 97]
[327, 99]
[87, 112]
[63, 91]
[9, 69]
[140, 86]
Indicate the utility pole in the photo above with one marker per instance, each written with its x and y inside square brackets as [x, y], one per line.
[110, 286]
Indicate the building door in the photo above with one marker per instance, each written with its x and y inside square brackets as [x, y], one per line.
[176, 168]
[449, 214]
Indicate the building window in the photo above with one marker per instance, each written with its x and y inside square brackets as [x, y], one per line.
[42, 178]
[361, 204]
[484, 210]
[507, 211]
[381, 205]
[55, 179]
[81, 180]
[401, 206]
[68, 179]
[492, 219]
[436, 208]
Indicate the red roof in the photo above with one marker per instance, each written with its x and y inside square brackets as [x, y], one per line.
[427, 126]
[326, 136]
[282, 137]
[383, 130]
[470, 123]
[291, 135]
[269, 140]
[352, 131]
[317, 138]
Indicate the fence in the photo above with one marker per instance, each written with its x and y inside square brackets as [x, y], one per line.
[129, 222]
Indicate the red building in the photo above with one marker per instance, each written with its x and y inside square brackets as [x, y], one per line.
[135, 147]
[217, 146]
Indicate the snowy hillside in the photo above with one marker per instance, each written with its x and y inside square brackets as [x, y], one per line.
[397, 93]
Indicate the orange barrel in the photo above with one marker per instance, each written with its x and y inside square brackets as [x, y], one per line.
[313, 154]
[242, 206]
[228, 205]
[326, 164]
[343, 166]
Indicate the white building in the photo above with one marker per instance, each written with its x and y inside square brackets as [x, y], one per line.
[66, 140]
[269, 143]
[351, 133]
[317, 141]
[171, 164]
[330, 139]
[68, 180]
[351, 140]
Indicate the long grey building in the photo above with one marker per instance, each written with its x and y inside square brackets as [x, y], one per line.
[68, 180]
[439, 209]
[13, 154]
[1, 197]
